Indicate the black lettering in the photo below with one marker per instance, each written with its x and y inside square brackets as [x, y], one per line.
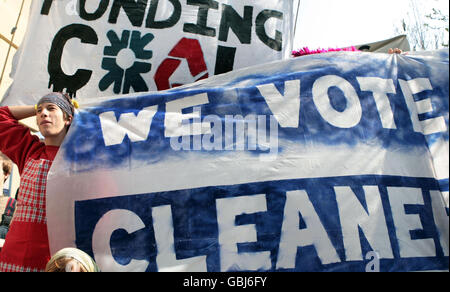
[103, 5]
[135, 11]
[46, 7]
[225, 59]
[202, 17]
[275, 44]
[171, 21]
[241, 26]
[364, 48]
[58, 78]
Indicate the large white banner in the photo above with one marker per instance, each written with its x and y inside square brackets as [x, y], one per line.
[329, 162]
[114, 47]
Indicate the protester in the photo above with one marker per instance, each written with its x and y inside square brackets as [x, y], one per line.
[395, 51]
[7, 217]
[71, 260]
[6, 171]
[26, 246]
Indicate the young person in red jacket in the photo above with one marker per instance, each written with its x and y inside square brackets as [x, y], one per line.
[26, 245]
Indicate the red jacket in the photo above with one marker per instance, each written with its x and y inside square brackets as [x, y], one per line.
[26, 245]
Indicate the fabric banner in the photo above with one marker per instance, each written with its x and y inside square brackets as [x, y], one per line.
[106, 48]
[328, 162]
[400, 42]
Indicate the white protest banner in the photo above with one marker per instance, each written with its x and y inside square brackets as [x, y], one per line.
[112, 47]
[328, 162]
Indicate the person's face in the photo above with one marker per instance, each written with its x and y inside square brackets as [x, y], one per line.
[2, 178]
[51, 121]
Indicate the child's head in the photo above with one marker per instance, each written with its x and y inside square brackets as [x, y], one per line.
[71, 260]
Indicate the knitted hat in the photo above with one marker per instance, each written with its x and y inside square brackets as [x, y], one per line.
[63, 101]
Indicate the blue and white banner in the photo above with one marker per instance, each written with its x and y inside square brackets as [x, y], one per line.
[329, 162]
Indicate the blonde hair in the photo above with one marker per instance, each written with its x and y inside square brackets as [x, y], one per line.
[71, 260]
[64, 265]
